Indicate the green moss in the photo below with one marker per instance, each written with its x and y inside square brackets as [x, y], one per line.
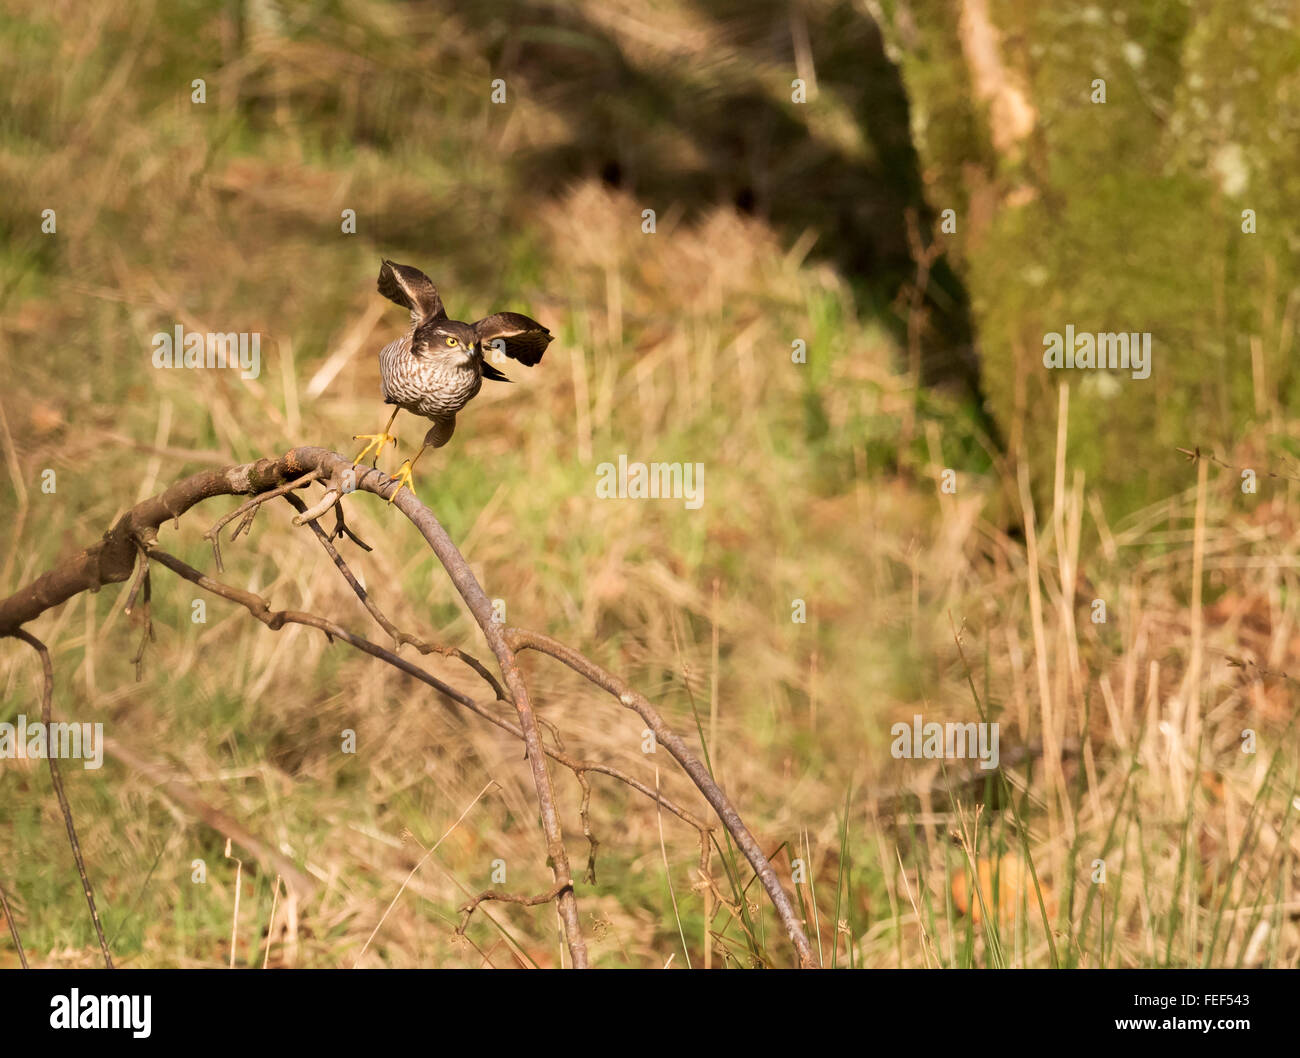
[1130, 219]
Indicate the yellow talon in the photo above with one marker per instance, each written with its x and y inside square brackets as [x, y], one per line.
[376, 445]
[403, 479]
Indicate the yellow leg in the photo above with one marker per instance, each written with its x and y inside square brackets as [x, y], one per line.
[377, 441]
[403, 477]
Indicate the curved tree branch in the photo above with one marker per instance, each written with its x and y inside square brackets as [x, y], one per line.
[135, 534]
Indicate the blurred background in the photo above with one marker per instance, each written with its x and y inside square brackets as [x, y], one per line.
[1108, 168]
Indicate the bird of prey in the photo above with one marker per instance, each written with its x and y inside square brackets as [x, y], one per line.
[438, 366]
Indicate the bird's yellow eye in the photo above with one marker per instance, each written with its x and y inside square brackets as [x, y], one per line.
[452, 341]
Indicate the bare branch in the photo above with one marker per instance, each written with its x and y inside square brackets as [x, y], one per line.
[399, 637]
[341, 529]
[47, 710]
[249, 510]
[524, 639]
[481, 607]
[277, 619]
[467, 909]
[330, 499]
[146, 634]
[13, 927]
[113, 559]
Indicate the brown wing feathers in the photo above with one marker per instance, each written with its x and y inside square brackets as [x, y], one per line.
[522, 338]
[412, 289]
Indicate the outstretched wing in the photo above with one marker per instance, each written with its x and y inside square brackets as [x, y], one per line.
[412, 289]
[521, 338]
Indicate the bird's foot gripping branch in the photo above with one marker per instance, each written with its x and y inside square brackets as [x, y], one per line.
[131, 545]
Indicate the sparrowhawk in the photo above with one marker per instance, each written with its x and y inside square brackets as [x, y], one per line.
[438, 366]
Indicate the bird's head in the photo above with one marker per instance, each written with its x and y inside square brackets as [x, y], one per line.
[445, 336]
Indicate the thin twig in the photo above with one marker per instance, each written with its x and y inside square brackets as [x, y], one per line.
[1194, 455]
[481, 607]
[277, 619]
[329, 500]
[341, 529]
[147, 633]
[47, 710]
[398, 635]
[524, 639]
[250, 508]
[467, 909]
[13, 927]
[142, 573]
